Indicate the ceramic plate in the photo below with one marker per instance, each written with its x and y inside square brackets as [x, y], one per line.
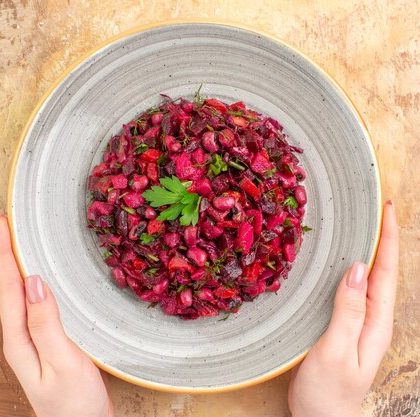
[66, 138]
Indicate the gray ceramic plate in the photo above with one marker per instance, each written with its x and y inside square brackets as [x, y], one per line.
[66, 137]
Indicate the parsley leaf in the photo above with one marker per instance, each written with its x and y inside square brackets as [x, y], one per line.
[306, 229]
[173, 184]
[171, 213]
[190, 212]
[174, 193]
[291, 202]
[158, 196]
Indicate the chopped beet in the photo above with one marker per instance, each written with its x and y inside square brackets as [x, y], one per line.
[243, 187]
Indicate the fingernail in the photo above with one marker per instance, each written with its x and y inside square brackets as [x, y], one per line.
[356, 277]
[35, 292]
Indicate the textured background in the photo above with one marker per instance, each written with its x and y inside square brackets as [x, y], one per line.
[370, 47]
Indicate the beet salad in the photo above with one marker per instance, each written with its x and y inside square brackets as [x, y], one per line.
[199, 206]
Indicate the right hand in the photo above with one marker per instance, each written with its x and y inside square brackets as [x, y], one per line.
[338, 371]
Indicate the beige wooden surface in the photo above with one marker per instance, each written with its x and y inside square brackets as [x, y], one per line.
[371, 47]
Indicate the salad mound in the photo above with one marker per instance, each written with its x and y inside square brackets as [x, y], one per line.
[198, 206]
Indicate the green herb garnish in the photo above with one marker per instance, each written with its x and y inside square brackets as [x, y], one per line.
[270, 172]
[236, 165]
[238, 113]
[271, 265]
[288, 168]
[129, 210]
[218, 165]
[106, 254]
[174, 193]
[198, 98]
[153, 305]
[152, 257]
[139, 149]
[216, 266]
[290, 202]
[162, 159]
[306, 229]
[287, 223]
[151, 271]
[181, 288]
[153, 110]
[224, 318]
[145, 238]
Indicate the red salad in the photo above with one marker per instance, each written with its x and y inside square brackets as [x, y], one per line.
[198, 206]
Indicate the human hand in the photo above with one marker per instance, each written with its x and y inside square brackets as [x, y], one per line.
[58, 378]
[338, 371]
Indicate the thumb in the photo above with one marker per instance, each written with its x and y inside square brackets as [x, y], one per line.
[45, 328]
[349, 312]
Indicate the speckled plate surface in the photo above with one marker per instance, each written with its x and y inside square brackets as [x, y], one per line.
[67, 136]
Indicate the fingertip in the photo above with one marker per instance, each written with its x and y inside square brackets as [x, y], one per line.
[5, 244]
[356, 276]
[3, 223]
[389, 223]
[35, 289]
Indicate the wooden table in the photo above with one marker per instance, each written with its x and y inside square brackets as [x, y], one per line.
[371, 47]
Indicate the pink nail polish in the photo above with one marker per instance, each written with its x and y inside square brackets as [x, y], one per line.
[357, 276]
[35, 291]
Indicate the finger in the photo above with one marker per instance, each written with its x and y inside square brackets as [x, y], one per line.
[17, 344]
[54, 348]
[291, 386]
[342, 335]
[377, 329]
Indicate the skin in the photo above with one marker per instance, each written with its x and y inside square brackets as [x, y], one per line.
[338, 371]
[331, 381]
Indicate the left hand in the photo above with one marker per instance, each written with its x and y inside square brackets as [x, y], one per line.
[57, 377]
